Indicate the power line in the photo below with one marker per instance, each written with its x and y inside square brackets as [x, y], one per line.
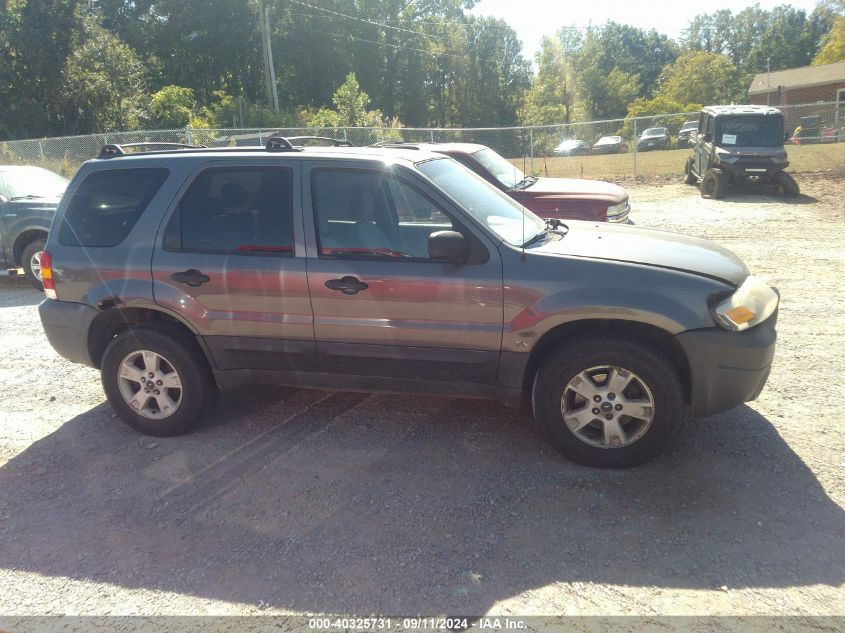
[401, 48]
[366, 21]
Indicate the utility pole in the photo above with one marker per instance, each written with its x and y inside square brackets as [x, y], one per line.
[768, 79]
[262, 30]
[270, 59]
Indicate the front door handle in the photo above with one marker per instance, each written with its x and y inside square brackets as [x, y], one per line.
[347, 285]
[192, 277]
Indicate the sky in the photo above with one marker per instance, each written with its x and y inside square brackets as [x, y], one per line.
[532, 19]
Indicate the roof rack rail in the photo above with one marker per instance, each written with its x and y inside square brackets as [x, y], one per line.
[335, 142]
[278, 143]
[111, 150]
[397, 145]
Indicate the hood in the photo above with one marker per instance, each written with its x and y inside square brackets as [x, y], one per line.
[577, 188]
[36, 203]
[647, 246]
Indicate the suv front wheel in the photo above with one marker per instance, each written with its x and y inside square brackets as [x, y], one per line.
[608, 402]
[157, 379]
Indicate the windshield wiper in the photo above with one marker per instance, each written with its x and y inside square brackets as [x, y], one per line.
[525, 183]
[29, 196]
[537, 238]
[553, 224]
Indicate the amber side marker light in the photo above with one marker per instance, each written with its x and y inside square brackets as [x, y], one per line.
[47, 275]
[738, 315]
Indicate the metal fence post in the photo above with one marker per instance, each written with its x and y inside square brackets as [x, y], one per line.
[531, 147]
[432, 136]
[188, 134]
[41, 151]
[635, 147]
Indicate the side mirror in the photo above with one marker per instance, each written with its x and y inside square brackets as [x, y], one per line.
[3, 198]
[448, 246]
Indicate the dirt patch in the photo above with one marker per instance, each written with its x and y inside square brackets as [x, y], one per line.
[297, 501]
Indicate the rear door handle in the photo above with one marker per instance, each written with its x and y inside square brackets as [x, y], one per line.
[191, 277]
[347, 285]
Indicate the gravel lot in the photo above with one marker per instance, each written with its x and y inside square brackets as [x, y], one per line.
[305, 501]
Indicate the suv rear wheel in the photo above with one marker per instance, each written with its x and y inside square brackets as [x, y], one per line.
[608, 402]
[157, 380]
[713, 184]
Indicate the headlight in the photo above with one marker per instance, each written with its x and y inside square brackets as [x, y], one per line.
[619, 212]
[752, 303]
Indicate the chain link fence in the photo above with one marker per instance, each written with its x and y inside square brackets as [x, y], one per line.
[613, 149]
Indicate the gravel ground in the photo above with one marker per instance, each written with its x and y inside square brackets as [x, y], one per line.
[306, 501]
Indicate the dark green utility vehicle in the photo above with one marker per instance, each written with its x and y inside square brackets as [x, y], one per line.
[739, 146]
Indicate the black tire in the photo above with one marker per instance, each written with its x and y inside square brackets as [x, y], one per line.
[714, 184]
[649, 365]
[182, 353]
[28, 253]
[786, 185]
[689, 177]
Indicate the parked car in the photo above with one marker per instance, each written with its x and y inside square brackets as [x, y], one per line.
[610, 145]
[739, 145]
[175, 272]
[654, 138]
[686, 133]
[28, 200]
[812, 130]
[572, 148]
[560, 198]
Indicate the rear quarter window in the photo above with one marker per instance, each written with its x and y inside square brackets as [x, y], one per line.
[107, 204]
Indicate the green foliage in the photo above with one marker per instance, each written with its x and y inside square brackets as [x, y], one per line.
[172, 106]
[636, 54]
[783, 37]
[350, 110]
[351, 103]
[833, 45]
[701, 77]
[104, 85]
[551, 98]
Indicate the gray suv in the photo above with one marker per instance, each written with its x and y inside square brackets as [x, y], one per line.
[180, 270]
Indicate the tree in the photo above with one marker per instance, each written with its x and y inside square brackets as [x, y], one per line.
[351, 103]
[104, 85]
[172, 107]
[639, 55]
[833, 45]
[551, 98]
[701, 77]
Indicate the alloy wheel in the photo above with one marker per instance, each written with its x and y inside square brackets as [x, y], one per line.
[149, 384]
[607, 406]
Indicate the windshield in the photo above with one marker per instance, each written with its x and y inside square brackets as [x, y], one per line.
[689, 125]
[34, 182]
[609, 140]
[655, 131]
[750, 131]
[501, 169]
[493, 208]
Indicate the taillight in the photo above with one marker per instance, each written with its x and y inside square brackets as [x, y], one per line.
[47, 275]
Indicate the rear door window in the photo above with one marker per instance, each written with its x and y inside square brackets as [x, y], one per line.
[236, 210]
[107, 204]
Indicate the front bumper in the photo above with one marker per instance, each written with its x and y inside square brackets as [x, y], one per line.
[66, 325]
[727, 368]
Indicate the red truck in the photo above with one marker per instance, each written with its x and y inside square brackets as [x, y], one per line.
[562, 198]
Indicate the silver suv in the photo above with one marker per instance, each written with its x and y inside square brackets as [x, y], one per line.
[179, 270]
